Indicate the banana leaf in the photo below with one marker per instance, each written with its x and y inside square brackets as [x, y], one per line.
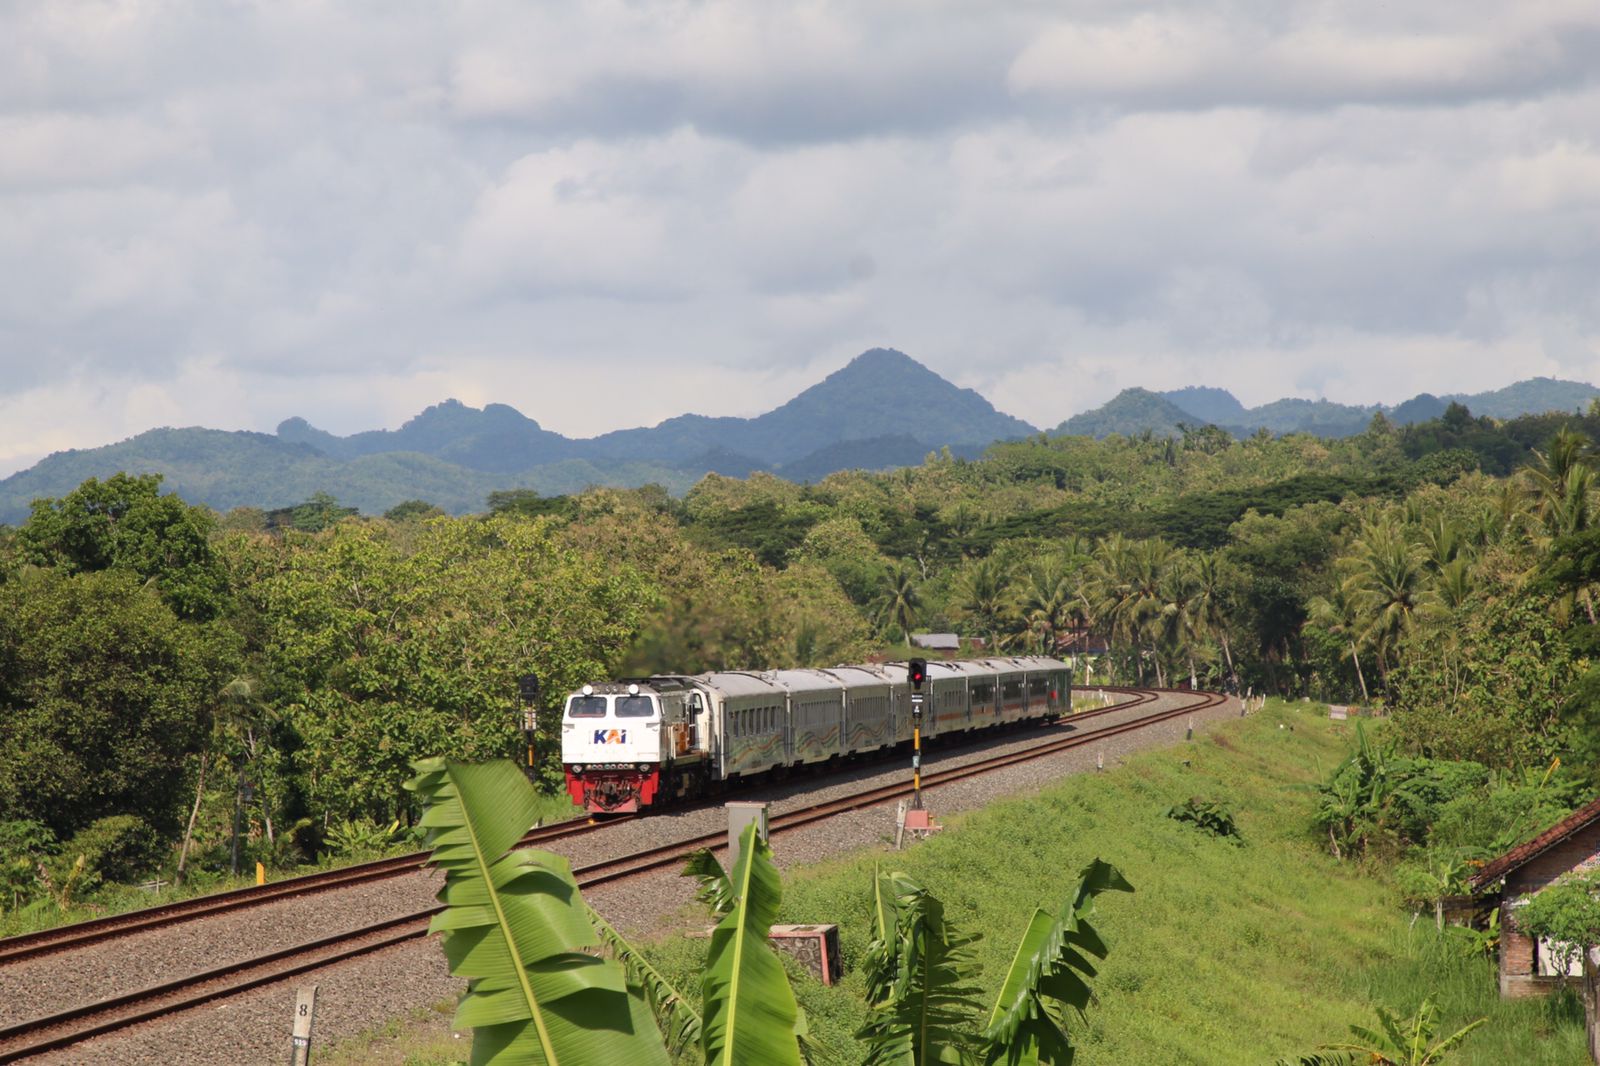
[516, 928]
[920, 1009]
[749, 1011]
[678, 1021]
[715, 890]
[1051, 965]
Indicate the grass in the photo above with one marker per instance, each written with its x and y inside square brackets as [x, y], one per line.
[1225, 954]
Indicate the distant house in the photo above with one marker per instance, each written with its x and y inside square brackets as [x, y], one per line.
[1528, 967]
[937, 641]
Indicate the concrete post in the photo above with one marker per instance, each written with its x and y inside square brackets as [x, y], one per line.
[740, 814]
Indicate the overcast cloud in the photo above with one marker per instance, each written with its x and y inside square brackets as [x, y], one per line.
[606, 214]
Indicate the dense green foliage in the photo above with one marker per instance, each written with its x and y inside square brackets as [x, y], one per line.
[160, 661]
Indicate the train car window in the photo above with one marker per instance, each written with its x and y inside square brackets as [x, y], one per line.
[1036, 686]
[586, 707]
[635, 707]
[1012, 689]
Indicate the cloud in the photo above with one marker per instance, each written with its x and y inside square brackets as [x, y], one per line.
[1314, 56]
[610, 213]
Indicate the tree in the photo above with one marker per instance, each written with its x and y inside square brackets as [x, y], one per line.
[412, 511]
[104, 694]
[1567, 914]
[984, 598]
[1338, 613]
[378, 657]
[124, 523]
[899, 602]
[515, 927]
[1386, 583]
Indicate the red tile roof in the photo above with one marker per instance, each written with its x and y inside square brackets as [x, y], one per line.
[1579, 819]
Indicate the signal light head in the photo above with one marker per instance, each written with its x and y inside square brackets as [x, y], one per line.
[917, 672]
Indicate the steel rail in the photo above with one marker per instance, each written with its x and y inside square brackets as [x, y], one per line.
[79, 934]
[97, 930]
[83, 1022]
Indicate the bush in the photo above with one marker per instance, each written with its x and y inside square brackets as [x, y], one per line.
[1209, 816]
[24, 845]
[120, 848]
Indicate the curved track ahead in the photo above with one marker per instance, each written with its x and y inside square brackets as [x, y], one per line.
[39, 1035]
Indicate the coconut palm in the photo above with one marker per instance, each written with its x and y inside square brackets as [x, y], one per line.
[1046, 602]
[1560, 479]
[985, 593]
[1387, 584]
[1211, 605]
[1338, 613]
[900, 601]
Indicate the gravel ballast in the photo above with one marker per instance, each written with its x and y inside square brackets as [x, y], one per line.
[360, 995]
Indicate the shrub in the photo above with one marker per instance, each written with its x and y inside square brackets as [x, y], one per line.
[24, 846]
[121, 848]
[1209, 816]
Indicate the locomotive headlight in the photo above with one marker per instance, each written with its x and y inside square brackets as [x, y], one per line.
[633, 690]
[588, 690]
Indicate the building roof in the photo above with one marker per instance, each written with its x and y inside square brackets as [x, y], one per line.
[937, 641]
[1520, 855]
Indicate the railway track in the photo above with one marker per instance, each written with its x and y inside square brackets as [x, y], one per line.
[39, 1035]
[82, 934]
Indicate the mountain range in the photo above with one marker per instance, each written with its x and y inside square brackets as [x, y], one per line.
[1136, 410]
[882, 410]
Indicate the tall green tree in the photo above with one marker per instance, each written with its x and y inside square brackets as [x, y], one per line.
[104, 694]
[125, 523]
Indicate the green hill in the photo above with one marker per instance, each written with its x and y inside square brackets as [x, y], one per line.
[1130, 412]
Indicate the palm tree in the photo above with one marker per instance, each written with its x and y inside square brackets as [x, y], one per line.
[1387, 586]
[1559, 480]
[900, 601]
[984, 597]
[1338, 613]
[1046, 602]
[1210, 608]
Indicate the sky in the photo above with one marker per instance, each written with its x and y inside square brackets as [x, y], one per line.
[226, 213]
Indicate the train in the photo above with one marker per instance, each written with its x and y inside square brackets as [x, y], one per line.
[636, 744]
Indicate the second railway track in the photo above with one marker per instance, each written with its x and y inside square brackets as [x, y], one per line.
[71, 1026]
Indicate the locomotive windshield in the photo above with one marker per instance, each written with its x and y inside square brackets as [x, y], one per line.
[635, 707]
[586, 707]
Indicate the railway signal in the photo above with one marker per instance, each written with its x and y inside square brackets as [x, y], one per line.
[917, 674]
[528, 691]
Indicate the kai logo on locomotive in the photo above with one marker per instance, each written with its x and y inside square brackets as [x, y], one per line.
[610, 736]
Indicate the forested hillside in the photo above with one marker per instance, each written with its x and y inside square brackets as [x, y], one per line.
[161, 663]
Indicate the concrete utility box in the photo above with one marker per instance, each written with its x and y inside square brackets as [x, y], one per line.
[740, 814]
[816, 946]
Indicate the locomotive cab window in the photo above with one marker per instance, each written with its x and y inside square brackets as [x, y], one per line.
[586, 707]
[636, 707]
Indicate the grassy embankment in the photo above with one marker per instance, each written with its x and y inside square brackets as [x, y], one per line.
[1226, 954]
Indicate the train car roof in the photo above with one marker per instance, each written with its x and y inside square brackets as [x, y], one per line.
[855, 676]
[734, 683]
[806, 680]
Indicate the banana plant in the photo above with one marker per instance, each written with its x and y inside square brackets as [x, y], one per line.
[916, 969]
[516, 928]
[922, 1012]
[1397, 1042]
[1051, 966]
[750, 1014]
[677, 1019]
